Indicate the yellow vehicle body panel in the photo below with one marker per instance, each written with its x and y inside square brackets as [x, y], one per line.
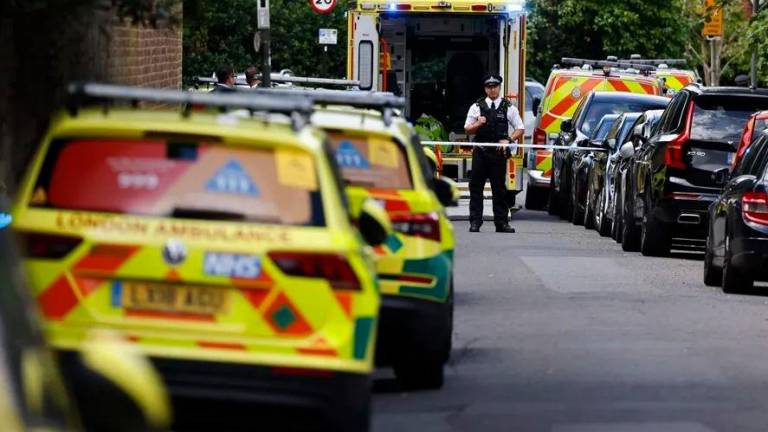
[407, 265]
[272, 319]
[424, 6]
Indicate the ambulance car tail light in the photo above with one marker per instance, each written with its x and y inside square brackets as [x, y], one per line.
[332, 267]
[754, 207]
[424, 225]
[479, 8]
[539, 136]
[673, 157]
[48, 246]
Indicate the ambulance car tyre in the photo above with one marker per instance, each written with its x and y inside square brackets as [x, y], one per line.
[354, 418]
[552, 204]
[420, 372]
[535, 198]
[564, 197]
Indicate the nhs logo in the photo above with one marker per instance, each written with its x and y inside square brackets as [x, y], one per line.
[232, 265]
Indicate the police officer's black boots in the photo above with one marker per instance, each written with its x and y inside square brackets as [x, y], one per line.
[505, 229]
[474, 227]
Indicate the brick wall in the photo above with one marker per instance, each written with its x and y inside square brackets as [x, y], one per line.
[145, 56]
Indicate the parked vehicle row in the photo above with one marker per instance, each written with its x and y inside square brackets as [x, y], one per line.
[565, 90]
[260, 248]
[673, 173]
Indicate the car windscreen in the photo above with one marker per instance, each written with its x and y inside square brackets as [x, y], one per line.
[189, 179]
[598, 109]
[722, 118]
[603, 128]
[371, 161]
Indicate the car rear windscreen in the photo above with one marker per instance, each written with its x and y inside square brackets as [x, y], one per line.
[722, 118]
[371, 161]
[602, 108]
[195, 180]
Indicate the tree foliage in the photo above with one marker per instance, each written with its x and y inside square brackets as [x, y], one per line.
[221, 33]
[598, 28]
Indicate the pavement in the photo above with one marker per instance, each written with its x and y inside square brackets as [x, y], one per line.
[558, 329]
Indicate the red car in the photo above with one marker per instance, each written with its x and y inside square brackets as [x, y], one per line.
[756, 123]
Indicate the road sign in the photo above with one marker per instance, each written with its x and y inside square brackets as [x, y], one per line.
[328, 37]
[713, 26]
[322, 6]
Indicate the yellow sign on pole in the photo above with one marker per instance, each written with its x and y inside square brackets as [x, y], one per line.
[713, 26]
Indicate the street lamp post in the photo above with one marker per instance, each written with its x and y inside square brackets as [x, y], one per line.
[262, 9]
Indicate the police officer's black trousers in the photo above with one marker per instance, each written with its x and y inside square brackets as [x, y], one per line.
[488, 165]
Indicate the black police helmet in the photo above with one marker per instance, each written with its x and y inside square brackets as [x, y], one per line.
[492, 79]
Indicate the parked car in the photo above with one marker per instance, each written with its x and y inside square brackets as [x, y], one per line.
[682, 169]
[737, 242]
[757, 123]
[622, 206]
[583, 158]
[575, 133]
[600, 172]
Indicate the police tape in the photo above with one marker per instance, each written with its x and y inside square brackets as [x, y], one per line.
[533, 146]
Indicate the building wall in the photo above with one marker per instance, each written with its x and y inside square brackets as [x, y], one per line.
[145, 56]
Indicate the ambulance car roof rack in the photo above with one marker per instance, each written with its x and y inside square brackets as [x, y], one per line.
[81, 94]
[380, 101]
[624, 64]
[282, 78]
[657, 62]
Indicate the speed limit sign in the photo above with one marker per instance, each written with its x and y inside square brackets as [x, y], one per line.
[322, 6]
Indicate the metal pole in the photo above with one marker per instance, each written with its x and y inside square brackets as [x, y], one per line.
[712, 72]
[266, 42]
[753, 69]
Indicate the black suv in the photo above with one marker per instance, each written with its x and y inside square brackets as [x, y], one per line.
[575, 133]
[684, 166]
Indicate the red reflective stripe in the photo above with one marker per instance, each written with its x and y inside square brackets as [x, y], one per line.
[619, 86]
[546, 120]
[328, 352]
[58, 299]
[345, 301]
[255, 296]
[221, 345]
[105, 258]
[569, 100]
[649, 89]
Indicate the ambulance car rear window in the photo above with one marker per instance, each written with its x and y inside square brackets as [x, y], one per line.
[371, 161]
[189, 180]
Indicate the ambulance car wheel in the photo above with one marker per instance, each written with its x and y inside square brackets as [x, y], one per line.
[354, 418]
[552, 204]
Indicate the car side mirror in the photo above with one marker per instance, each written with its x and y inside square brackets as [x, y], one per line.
[721, 176]
[637, 132]
[447, 192]
[566, 126]
[627, 150]
[113, 380]
[374, 223]
[535, 104]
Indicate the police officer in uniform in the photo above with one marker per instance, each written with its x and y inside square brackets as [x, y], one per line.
[490, 120]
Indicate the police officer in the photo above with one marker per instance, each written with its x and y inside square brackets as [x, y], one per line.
[490, 119]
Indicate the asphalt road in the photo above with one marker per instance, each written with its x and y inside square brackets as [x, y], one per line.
[559, 330]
